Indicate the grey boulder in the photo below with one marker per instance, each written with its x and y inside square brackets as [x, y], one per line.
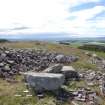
[44, 81]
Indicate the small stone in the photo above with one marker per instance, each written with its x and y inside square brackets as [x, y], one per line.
[3, 55]
[11, 62]
[1, 64]
[28, 95]
[90, 84]
[26, 91]
[94, 55]
[7, 68]
[17, 95]
[7, 52]
[40, 95]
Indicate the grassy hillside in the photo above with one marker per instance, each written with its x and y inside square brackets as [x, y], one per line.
[65, 49]
[9, 90]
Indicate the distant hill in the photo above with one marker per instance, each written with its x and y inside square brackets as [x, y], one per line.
[3, 40]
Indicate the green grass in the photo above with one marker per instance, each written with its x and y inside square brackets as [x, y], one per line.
[73, 85]
[101, 54]
[76, 44]
[9, 90]
[85, 66]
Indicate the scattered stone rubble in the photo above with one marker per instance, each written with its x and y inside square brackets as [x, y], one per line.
[14, 61]
[87, 96]
[95, 59]
[95, 78]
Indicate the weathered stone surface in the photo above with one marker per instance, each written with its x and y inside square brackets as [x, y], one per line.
[7, 68]
[44, 81]
[10, 61]
[1, 64]
[69, 72]
[3, 55]
[54, 69]
[59, 57]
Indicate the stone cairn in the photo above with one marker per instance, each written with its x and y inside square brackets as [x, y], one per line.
[14, 61]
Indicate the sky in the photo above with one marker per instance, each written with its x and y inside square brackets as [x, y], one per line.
[52, 18]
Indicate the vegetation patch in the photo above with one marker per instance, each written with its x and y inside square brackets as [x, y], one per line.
[92, 47]
[3, 40]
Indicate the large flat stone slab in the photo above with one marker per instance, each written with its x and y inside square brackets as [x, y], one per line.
[44, 81]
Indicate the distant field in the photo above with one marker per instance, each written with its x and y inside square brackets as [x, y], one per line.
[77, 43]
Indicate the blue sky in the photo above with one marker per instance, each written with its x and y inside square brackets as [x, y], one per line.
[52, 18]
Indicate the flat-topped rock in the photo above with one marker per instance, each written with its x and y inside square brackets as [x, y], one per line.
[44, 81]
[49, 75]
[69, 72]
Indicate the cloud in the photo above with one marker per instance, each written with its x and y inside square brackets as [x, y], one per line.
[88, 13]
[16, 27]
[51, 16]
[88, 22]
[20, 28]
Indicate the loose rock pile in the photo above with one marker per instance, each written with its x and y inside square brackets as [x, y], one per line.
[14, 61]
[95, 78]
